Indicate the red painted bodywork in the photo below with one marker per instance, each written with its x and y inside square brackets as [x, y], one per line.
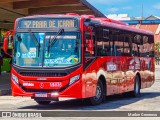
[117, 81]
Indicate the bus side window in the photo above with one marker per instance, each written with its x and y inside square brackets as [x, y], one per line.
[118, 45]
[137, 43]
[104, 43]
[145, 49]
[103, 49]
[128, 48]
[151, 46]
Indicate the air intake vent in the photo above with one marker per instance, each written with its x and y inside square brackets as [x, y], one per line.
[43, 74]
[43, 90]
[38, 90]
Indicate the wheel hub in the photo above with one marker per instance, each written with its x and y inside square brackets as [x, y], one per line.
[137, 87]
[98, 93]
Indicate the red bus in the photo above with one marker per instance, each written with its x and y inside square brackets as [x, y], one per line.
[79, 57]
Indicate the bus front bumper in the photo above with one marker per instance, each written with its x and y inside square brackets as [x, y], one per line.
[72, 91]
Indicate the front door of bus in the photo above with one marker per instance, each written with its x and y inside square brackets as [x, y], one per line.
[90, 65]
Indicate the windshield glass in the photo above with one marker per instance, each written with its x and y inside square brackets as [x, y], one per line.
[65, 50]
[35, 50]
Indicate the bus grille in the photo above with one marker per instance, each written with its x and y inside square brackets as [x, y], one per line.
[38, 90]
[43, 74]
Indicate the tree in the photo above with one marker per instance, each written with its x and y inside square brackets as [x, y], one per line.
[157, 48]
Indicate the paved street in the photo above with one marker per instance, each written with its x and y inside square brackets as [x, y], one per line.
[149, 101]
[5, 81]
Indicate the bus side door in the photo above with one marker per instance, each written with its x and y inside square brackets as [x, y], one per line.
[90, 64]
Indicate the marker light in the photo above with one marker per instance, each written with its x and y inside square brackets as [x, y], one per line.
[15, 78]
[74, 79]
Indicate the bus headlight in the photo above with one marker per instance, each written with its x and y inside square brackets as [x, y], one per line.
[15, 78]
[74, 79]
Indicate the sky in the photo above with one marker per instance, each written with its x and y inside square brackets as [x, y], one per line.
[131, 7]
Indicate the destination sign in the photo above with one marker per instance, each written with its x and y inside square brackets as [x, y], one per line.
[47, 23]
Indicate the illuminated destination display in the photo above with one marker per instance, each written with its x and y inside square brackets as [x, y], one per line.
[47, 23]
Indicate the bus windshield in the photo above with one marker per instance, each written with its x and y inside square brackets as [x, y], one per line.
[35, 49]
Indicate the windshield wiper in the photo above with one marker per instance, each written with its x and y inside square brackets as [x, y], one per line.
[53, 40]
[35, 40]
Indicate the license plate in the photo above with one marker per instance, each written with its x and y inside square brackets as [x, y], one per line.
[40, 94]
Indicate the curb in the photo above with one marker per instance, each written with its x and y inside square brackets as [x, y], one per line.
[5, 92]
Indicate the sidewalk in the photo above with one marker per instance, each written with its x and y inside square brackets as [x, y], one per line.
[5, 86]
[157, 72]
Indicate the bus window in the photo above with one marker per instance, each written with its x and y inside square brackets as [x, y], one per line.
[151, 46]
[148, 46]
[134, 49]
[137, 44]
[103, 48]
[118, 45]
[127, 45]
[104, 43]
[89, 45]
[145, 51]
[106, 33]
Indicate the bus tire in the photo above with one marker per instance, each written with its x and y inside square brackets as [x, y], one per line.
[136, 92]
[99, 94]
[43, 102]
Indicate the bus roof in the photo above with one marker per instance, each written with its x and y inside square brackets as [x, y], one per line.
[50, 15]
[103, 21]
[120, 25]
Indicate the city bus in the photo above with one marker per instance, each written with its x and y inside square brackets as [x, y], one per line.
[79, 56]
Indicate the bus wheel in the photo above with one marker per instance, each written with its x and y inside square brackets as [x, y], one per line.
[137, 86]
[136, 92]
[43, 102]
[99, 94]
